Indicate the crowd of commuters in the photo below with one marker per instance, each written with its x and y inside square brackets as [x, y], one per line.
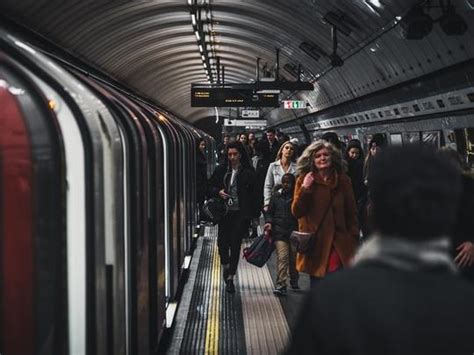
[397, 220]
[330, 193]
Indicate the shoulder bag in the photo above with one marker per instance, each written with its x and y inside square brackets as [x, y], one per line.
[303, 242]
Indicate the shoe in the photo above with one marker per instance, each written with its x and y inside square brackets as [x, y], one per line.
[229, 287]
[295, 287]
[280, 291]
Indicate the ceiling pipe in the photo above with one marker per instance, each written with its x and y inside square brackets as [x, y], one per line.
[218, 66]
[277, 74]
[258, 69]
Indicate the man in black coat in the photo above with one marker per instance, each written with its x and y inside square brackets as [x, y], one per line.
[235, 183]
[272, 145]
[403, 295]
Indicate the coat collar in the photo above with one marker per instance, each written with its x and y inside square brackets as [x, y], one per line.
[331, 183]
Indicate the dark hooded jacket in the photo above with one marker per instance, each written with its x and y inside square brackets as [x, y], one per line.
[280, 216]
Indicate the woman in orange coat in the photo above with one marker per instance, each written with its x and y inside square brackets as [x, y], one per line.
[323, 186]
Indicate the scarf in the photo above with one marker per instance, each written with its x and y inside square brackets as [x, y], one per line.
[407, 255]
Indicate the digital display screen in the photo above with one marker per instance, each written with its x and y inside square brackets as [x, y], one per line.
[228, 97]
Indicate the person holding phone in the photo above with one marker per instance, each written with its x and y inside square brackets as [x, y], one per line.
[235, 183]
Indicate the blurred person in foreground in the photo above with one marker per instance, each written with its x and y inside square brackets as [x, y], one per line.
[402, 295]
[463, 237]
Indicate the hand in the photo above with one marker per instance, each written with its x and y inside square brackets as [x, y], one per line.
[267, 227]
[265, 208]
[465, 256]
[223, 194]
[308, 180]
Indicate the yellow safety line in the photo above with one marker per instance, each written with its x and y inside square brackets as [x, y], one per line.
[212, 330]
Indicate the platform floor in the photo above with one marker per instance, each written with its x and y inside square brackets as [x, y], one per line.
[251, 321]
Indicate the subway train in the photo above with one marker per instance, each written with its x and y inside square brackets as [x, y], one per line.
[97, 209]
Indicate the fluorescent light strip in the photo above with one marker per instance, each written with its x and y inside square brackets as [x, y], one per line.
[198, 37]
[193, 19]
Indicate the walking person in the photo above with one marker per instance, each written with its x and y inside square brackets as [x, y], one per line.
[355, 171]
[281, 222]
[201, 172]
[260, 165]
[324, 203]
[235, 183]
[284, 163]
[402, 295]
[272, 144]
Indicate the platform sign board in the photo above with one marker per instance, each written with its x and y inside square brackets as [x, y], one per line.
[294, 104]
[250, 114]
[245, 123]
[202, 96]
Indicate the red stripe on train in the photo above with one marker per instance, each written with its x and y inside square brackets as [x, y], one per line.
[17, 279]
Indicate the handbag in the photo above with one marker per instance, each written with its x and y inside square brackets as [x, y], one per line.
[214, 210]
[260, 250]
[303, 242]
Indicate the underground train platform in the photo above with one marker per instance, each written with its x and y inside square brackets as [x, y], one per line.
[114, 115]
[253, 320]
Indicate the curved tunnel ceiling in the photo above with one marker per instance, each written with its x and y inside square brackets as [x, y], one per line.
[150, 46]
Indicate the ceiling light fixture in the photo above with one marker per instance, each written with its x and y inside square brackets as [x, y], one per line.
[452, 23]
[417, 24]
[205, 34]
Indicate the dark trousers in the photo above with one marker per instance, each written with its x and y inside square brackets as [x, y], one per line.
[232, 229]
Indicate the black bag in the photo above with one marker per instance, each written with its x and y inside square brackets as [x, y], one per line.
[214, 210]
[260, 251]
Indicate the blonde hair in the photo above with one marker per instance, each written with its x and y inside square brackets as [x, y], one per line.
[280, 151]
[305, 163]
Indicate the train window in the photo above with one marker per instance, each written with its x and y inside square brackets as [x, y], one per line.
[416, 108]
[367, 117]
[396, 138]
[470, 96]
[373, 115]
[396, 111]
[405, 109]
[440, 103]
[411, 138]
[428, 105]
[430, 138]
[380, 114]
[455, 100]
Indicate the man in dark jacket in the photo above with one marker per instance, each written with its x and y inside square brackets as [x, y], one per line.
[272, 145]
[403, 295]
[234, 183]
